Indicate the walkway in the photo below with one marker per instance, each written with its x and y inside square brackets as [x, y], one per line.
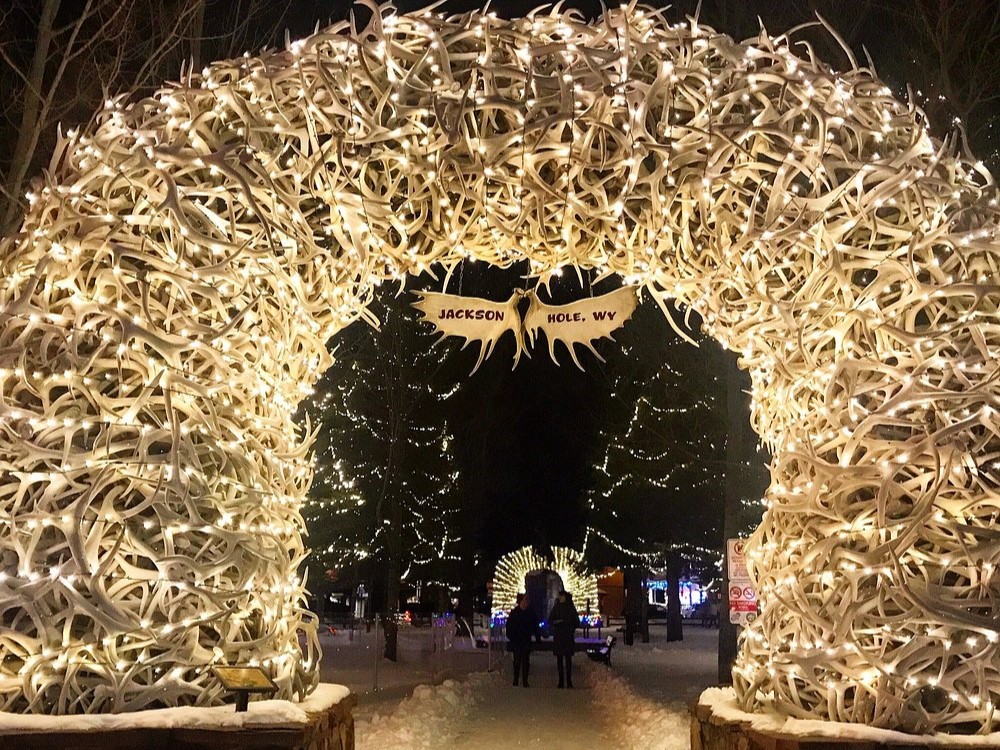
[541, 716]
[640, 704]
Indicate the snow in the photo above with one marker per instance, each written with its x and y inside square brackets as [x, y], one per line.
[724, 706]
[538, 717]
[641, 703]
[637, 722]
[260, 713]
[638, 705]
[643, 700]
[428, 718]
[484, 711]
[426, 656]
[670, 672]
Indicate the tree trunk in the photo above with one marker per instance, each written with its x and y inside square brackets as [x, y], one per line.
[27, 131]
[393, 571]
[675, 622]
[644, 611]
[197, 35]
[390, 629]
[737, 414]
[465, 609]
[633, 603]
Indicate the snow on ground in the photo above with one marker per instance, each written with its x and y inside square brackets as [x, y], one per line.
[419, 704]
[640, 703]
[670, 672]
[429, 718]
[634, 721]
[540, 717]
[215, 717]
[724, 705]
[426, 656]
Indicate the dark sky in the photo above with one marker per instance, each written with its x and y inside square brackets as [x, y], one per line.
[891, 33]
[527, 439]
[879, 26]
[531, 429]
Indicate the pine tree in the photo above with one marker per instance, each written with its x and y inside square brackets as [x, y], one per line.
[659, 496]
[384, 495]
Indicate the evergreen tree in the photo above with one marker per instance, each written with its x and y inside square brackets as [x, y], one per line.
[663, 475]
[384, 496]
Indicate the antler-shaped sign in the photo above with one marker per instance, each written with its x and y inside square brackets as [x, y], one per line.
[485, 322]
[474, 319]
[581, 322]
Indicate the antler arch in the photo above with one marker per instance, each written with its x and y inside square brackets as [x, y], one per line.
[167, 302]
[513, 567]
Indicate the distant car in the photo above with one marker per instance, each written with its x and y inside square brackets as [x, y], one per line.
[656, 612]
[706, 613]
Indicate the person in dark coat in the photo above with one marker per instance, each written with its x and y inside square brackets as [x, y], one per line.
[563, 622]
[522, 624]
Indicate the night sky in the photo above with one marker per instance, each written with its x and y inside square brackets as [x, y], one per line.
[536, 425]
[527, 440]
[888, 32]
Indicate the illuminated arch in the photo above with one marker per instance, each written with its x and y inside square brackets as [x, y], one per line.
[508, 579]
[168, 300]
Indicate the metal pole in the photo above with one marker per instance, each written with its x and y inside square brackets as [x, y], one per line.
[489, 643]
[434, 637]
[377, 655]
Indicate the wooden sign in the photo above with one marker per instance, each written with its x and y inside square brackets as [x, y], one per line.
[244, 680]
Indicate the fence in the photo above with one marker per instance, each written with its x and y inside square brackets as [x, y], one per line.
[428, 651]
[432, 650]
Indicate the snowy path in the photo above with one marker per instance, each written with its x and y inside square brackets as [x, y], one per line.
[670, 672]
[349, 659]
[638, 705]
[540, 716]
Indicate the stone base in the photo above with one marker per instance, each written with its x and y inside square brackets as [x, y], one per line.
[329, 727]
[718, 725]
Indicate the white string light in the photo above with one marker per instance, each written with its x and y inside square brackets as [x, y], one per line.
[509, 577]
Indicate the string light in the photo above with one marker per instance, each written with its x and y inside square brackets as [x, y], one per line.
[568, 564]
[381, 440]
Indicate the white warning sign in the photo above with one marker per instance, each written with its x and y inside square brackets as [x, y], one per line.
[742, 597]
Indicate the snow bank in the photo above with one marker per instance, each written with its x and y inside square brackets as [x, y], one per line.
[260, 713]
[635, 722]
[724, 705]
[427, 719]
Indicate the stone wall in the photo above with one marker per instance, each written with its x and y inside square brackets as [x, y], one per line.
[712, 732]
[329, 729]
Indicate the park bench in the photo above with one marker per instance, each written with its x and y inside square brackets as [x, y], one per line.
[602, 653]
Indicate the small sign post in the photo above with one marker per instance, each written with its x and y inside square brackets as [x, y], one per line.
[244, 680]
[742, 597]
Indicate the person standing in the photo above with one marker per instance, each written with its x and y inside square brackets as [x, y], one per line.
[563, 622]
[713, 613]
[522, 624]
